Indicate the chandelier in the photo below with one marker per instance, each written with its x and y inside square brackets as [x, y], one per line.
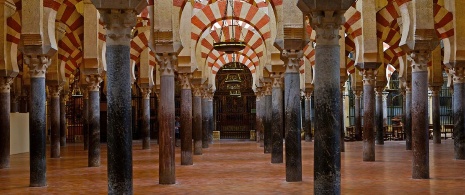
[231, 45]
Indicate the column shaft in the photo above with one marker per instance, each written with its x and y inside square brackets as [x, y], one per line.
[186, 127]
[37, 129]
[197, 123]
[119, 134]
[308, 119]
[277, 118]
[167, 139]
[14, 103]
[420, 138]
[358, 118]
[55, 126]
[4, 127]
[436, 118]
[379, 117]
[459, 120]
[146, 123]
[408, 119]
[292, 110]
[210, 119]
[368, 123]
[267, 126]
[261, 116]
[94, 129]
[205, 131]
[63, 123]
[341, 119]
[85, 119]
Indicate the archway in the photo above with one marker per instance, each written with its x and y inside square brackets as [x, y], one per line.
[234, 102]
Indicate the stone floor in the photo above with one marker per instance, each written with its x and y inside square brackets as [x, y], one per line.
[240, 167]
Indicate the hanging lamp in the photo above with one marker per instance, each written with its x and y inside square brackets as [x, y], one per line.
[232, 45]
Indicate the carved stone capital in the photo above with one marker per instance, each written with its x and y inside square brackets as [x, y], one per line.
[167, 63]
[308, 95]
[277, 80]
[93, 82]
[369, 76]
[292, 59]
[268, 89]
[385, 96]
[327, 25]
[459, 75]
[358, 94]
[37, 64]
[55, 90]
[209, 95]
[197, 91]
[185, 79]
[435, 90]
[5, 84]
[85, 93]
[118, 25]
[146, 93]
[420, 59]
[379, 91]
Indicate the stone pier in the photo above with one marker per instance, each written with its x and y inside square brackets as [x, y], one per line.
[277, 119]
[436, 115]
[379, 116]
[93, 88]
[55, 121]
[197, 120]
[145, 118]
[267, 114]
[186, 119]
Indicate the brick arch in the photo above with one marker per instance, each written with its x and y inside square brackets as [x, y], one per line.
[215, 56]
[227, 58]
[139, 43]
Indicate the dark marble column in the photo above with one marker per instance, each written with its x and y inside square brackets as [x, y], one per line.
[292, 102]
[436, 115]
[55, 121]
[327, 155]
[358, 118]
[119, 135]
[341, 118]
[379, 116]
[459, 112]
[37, 119]
[260, 116]
[368, 115]
[145, 118]
[277, 119]
[308, 118]
[257, 114]
[186, 119]
[205, 132]
[93, 88]
[5, 84]
[63, 124]
[24, 100]
[267, 114]
[210, 118]
[197, 120]
[14, 103]
[420, 134]
[85, 117]
[167, 118]
[408, 118]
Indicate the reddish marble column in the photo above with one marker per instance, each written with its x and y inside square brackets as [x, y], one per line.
[267, 119]
[379, 116]
[358, 118]
[145, 118]
[368, 115]
[277, 119]
[186, 119]
[94, 119]
[408, 118]
[308, 119]
[197, 120]
[63, 124]
[55, 121]
[436, 115]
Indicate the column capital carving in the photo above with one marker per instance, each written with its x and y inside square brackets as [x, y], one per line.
[459, 75]
[209, 95]
[385, 96]
[85, 93]
[327, 25]
[37, 64]
[55, 90]
[185, 79]
[5, 84]
[93, 82]
[267, 88]
[197, 91]
[146, 93]
[277, 80]
[369, 76]
[358, 94]
[420, 59]
[292, 59]
[167, 63]
[307, 95]
[118, 24]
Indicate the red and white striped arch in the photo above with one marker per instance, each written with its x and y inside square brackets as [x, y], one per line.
[215, 55]
[353, 29]
[138, 44]
[228, 58]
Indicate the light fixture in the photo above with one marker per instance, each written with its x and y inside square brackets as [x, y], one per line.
[233, 78]
[232, 45]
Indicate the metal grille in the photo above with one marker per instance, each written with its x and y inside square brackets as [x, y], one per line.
[445, 104]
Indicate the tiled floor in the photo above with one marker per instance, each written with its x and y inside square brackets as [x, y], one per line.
[240, 167]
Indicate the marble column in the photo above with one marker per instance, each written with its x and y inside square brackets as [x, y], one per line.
[63, 124]
[205, 132]
[308, 117]
[145, 118]
[341, 118]
[14, 103]
[420, 134]
[186, 119]
[257, 115]
[119, 24]
[459, 112]
[368, 115]
[24, 101]
[358, 118]
[277, 119]
[55, 121]
[292, 103]
[261, 117]
[436, 114]
[5, 86]
[267, 135]
[327, 154]
[93, 88]
[167, 118]
[379, 126]
[408, 118]
[37, 138]
[210, 118]
[197, 120]
[85, 117]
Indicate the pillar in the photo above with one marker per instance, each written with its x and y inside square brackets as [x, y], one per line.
[14, 102]
[63, 124]
[379, 116]
[24, 100]
[85, 117]
[260, 116]
[419, 110]
[308, 117]
[459, 113]
[327, 155]
[210, 118]
[292, 102]
[93, 88]
[145, 118]
[436, 114]
[197, 120]
[267, 114]
[186, 119]
[55, 121]
[368, 114]
[205, 132]
[408, 118]
[341, 118]
[358, 118]
[119, 24]
[277, 119]
[167, 118]
[5, 86]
